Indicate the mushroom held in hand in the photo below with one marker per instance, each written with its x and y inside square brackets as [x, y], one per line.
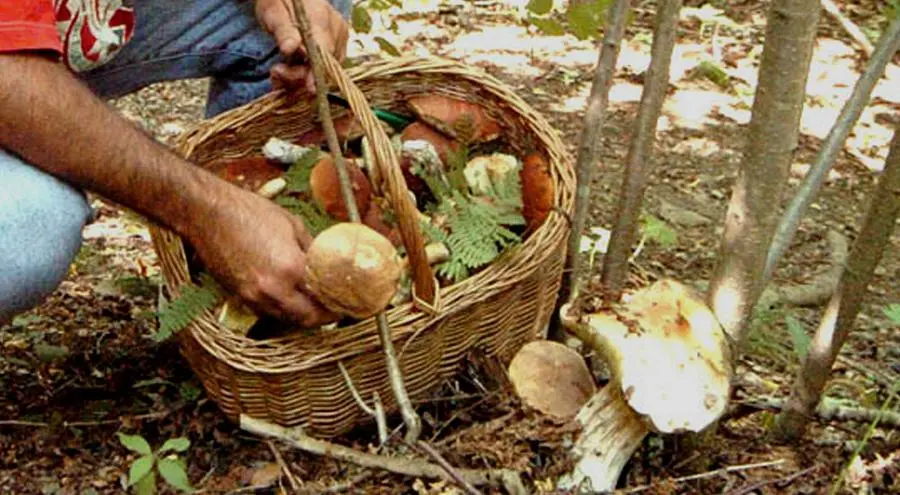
[353, 270]
[671, 372]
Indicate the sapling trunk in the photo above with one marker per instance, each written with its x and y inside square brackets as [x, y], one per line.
[395, 373]
[639, 163]
[888, 44]
[844, 305]
[772, 138]
[588, 150]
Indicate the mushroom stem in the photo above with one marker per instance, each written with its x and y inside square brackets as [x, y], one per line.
[611, 432]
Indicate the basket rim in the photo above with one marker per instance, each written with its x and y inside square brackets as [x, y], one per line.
[405, 320]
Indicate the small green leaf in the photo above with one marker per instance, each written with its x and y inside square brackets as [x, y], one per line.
[387, 46]
[539, 7]
[174, 473]
[550, 27]
[177, 444]
[147, 484]
[49, 353]
[799, 338]
[360, 19]
[139, 469]
[893, 313]
[135, 443]
[585, 18]
[658, 231]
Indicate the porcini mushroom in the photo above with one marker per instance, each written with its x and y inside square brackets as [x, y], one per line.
[248, 172]
[459, 119]
[551, 378]
[419, 131]
[537, 190]
[352, 270]
[484, 173]
[326, 188]
[671, 370]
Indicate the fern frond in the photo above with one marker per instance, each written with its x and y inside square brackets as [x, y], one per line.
[456, 166]
[297, 175]
[314, 217]
[190, 303]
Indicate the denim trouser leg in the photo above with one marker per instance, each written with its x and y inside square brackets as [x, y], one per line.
[41, 217]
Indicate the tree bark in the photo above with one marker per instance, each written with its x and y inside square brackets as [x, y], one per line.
[845, 303]
[888, 45]
[639, 163]
[588, 158]
[772, 138]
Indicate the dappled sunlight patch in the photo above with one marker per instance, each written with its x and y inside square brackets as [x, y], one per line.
[699, 146]
[693, 108]
[800, 169]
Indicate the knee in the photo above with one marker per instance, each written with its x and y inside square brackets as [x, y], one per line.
[41, 219]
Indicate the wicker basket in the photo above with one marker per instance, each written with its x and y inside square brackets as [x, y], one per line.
[296, 380]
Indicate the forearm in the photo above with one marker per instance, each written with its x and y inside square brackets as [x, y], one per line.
[55, 123]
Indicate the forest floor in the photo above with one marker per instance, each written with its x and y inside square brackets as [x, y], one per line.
[83, 366]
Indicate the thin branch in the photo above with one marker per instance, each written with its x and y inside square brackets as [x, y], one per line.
[781, 482]
[852, 29]
[830, 410]
[377, 412]
[410, 418]
[639, 163]
[399, 465]
[434, 454]
[712, 474]
[888, 44]
[588, 150]
[295, 485]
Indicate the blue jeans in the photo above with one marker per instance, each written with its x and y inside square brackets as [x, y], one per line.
[41, 217]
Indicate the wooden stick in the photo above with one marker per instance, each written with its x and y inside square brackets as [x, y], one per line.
[400, 465]
[710, 474]
[852, 29]
[410, 418]
[428, 449]
[295, 485]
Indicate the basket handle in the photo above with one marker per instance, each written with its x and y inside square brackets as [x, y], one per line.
[387, 164]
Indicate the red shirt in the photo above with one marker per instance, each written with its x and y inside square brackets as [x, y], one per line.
[85, 33]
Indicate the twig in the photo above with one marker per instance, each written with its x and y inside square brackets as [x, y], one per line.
[781, 482]
[410, 418]
[295, 485]
[399, 465]
[829, 410]
[82, 424]
[428, 449]
[852, 29]
[588, 154]
[377, 412]
[711, 474]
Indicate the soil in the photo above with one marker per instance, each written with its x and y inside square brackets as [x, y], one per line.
[83, 366]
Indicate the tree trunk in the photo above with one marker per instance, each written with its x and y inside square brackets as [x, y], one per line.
[639, 163]
[845, 303]
[772, 139]
[590, 137]
[888, 44]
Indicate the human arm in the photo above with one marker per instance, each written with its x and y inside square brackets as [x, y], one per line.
[250, 244]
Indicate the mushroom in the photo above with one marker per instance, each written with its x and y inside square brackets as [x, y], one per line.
[419, 131]
[375, 218]
[352, 270]
[435, 253]
[248, 172]
[537, 190]
[459, 119]
[670, 365]
[284, 152]
[484, 173]
[551, 378]
[326, 188]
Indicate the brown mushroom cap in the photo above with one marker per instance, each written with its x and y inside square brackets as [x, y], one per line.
[248, 172]
[326, 188]
[449, 115]
[551, 378]
[419, 131]
[537, 190]
[353, 270]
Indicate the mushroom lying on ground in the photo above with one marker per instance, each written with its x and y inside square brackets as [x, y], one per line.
[551, 378]
[671, 370]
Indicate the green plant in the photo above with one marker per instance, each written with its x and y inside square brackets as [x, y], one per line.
[193, 300]
[582, 19]
[361, 21]
[893, 313]
[799, 337]
[164, 461]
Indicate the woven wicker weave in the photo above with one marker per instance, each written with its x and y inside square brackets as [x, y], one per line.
[295, 380]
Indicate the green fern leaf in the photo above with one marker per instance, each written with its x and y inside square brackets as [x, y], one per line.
[313, 216]
[190, 303]
[297, 175]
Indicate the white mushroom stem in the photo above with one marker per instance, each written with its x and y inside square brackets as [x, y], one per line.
[671, 374]
[436, 252]
[611, 432]
[272, 188]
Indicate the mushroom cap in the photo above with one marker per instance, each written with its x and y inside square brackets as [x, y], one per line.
[551, 378]
[352, 269]
[671, 359]
[455, 117]
[249, 172]
[326, 188]
[537, 190]
[420, 131]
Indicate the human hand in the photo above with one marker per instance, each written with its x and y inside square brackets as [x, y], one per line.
[329, 29]
[257, 249]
